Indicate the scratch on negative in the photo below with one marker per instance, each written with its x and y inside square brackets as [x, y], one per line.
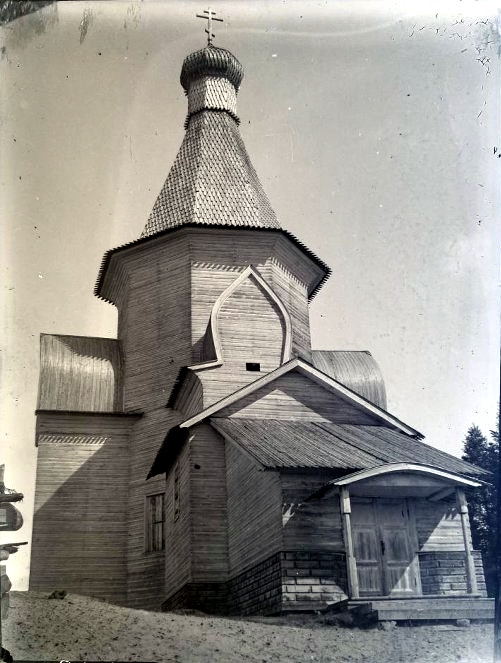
[85, 23]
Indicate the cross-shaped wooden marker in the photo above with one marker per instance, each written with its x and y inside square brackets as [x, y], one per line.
[209, 16]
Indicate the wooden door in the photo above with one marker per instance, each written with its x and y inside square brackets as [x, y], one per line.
[399, 561]
[383, 546]
[366, 547]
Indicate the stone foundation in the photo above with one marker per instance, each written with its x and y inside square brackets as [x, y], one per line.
[312, 580]
[445, 573]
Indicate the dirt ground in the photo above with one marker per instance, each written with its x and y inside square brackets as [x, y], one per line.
[79, 628]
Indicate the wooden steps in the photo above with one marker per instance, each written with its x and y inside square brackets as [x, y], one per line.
[423, 608]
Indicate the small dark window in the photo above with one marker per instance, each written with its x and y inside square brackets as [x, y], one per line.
[155, 519]
[252, 366]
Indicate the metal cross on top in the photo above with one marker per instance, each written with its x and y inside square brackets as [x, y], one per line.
[209, 16]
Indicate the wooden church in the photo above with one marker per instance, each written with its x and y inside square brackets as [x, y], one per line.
[208, 457]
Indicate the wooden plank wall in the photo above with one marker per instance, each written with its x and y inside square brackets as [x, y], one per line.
[297, 398]
[154, 324]
[209, 524]
[254, 511]
[218, 259]
[189, 400]
[438, 525]
[163, 290]
[251, 328]
[178, 544]
[145, 570]
[314, 524]
[222, 381]
[154, 331]
[79, 540]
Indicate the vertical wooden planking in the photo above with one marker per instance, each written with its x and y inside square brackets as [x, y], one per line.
[254, 513]
[145, 570]
[310, 524]
[209, 519]
[178, 529]
[154, 322]
[220, 256]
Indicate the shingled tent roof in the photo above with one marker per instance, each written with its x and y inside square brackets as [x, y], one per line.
[212, 181]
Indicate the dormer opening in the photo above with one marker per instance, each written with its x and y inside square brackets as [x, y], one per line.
[253, 366]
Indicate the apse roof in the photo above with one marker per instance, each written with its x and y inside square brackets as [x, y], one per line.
[355, 369]
[80, 373]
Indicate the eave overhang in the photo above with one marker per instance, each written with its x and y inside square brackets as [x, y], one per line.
[129, 246]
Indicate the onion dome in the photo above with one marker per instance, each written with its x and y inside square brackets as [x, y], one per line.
[212, 181]
[211, 61]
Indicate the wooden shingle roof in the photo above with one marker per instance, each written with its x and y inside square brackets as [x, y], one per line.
[212, 181]
[214, 61]
[320, 445]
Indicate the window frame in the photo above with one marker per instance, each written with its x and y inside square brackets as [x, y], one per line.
[150, 523]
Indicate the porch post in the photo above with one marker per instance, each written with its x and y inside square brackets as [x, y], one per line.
[351, 564]
[471, 577]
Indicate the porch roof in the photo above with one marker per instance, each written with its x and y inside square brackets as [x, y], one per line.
[407, 468]
[285, 444]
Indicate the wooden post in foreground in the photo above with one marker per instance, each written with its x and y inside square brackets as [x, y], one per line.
[471, 576]
[351, 563]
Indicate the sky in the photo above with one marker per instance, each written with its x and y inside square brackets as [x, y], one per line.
[374, 129]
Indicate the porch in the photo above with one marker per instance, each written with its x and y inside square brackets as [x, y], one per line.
[394, 545]
[415, 609]
[394, 549]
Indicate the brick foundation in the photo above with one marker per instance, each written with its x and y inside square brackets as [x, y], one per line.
[258, 590]
[290, 580]
[445, 573]
[312, 580]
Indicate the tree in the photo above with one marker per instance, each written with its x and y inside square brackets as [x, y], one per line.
[482, 503]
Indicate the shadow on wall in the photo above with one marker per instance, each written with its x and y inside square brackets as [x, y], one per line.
[80, 531]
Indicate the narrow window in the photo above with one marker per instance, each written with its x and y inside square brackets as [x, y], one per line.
[252, 366]
[155, 520]
[177, 507]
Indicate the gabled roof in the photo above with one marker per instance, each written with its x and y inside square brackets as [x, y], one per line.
[287, 445]
[328, 383]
